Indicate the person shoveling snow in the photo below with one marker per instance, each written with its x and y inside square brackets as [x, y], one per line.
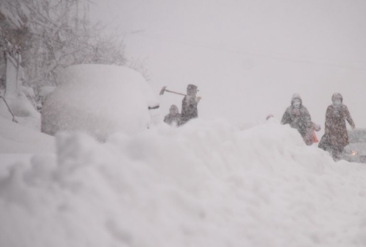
[189, 103]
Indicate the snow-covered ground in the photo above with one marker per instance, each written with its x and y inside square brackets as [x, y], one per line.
[208, 183]
[17, 139]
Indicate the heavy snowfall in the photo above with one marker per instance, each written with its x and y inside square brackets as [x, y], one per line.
[93, 152]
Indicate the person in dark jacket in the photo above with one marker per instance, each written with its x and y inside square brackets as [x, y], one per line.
[173, 118]
[189, 104]
[335, 126]
[298, 117]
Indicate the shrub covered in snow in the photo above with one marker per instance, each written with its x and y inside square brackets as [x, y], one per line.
[100, 100]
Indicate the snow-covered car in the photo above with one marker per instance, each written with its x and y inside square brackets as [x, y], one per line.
[356, 150]
[100, 100]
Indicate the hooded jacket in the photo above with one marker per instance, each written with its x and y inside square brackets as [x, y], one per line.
[300, 119]
[335, 123]
[173, 119]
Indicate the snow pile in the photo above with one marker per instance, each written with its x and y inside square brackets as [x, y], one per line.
[16, 139]
[113, 98]
[205, 184]
[24, 111]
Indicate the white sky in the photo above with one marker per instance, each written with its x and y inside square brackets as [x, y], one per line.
[248, 57]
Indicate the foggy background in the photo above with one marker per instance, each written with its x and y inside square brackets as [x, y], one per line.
[247, 57]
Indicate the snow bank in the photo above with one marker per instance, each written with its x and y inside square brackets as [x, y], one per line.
[22, 108]
[98, 99]
[16, 139]
[205, 184]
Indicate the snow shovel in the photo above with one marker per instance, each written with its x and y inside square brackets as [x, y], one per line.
[163, 90]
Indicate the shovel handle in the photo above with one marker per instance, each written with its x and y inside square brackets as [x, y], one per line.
[166, 90]
[175, 92]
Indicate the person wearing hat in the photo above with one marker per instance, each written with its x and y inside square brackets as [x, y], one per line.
[335, 126]
[298, 117]
[189, 104]
[173, 118]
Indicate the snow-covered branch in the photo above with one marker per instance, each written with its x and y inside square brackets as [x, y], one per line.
[57, 37]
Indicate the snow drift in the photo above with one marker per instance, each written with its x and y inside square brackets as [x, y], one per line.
[205, 184]
[24, 111]
[100, 100]
[17, 139]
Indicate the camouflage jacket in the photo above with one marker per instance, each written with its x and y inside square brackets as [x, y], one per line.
[189, 109]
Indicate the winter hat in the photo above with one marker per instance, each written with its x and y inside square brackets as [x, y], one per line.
[337, 96]
[191, 88]
[294, 97]
[174, 107]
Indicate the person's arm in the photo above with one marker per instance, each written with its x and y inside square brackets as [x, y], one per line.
[307, 119]
[328, 120]
[349, 118]
[184, 106]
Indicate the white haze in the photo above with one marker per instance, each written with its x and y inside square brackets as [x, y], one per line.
[248, 57]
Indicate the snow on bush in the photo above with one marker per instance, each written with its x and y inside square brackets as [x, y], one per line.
[22, 108]
[98, 99]
[205, 184]
[43, 92]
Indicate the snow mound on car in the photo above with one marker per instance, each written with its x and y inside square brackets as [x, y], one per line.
[98, 99]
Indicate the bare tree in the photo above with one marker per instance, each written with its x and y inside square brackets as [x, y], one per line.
[54, 34]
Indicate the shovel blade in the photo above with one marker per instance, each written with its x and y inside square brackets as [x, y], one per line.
[162, 91]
